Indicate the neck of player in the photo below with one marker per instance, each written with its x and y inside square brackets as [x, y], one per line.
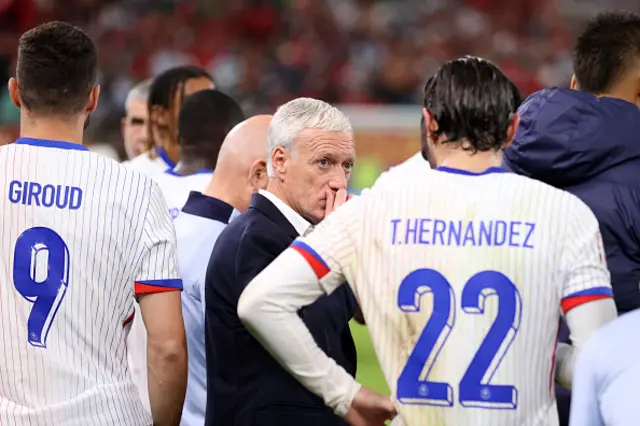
[191, 163]
[224, 188]
[460, 159]
[64, 129]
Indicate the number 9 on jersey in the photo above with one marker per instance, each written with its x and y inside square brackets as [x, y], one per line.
[41, 276]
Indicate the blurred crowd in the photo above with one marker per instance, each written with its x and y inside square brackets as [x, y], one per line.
[265, 52]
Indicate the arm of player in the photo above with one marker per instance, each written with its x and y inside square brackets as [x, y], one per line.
[158, 288]
[297, 278]
[587, 298]
[584, 397]
[268, 307]
[582, 321]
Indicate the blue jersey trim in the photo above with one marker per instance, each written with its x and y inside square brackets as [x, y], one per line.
[594, 291]
[45, 143]
[207, 207]
[165, 157]
[468, 173]
[172, 172]
[312, 252]
[171, 283]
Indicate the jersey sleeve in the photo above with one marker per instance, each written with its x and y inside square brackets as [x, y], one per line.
[158, 270]
[585, 274]
[330, 249]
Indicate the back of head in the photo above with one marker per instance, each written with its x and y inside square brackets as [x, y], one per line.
[56, 69]
[606, 50]
[300, 114]
[206, 117]
[167, 92]
[241, 168]
[139, 92]
[163, 89]
[472, 101]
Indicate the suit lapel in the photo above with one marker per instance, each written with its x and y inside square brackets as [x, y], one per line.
[267, 208]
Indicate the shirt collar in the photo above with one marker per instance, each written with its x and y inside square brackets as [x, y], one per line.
[165, 157]
[202, 205]
[300, 224]
[51, 144]
[172, 172]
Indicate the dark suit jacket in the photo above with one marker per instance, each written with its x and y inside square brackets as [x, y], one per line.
[245, 385]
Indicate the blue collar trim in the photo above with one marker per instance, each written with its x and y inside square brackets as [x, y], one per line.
[165, 157]
[202, 205]
[44, 143]
[468, 173]
[172, 172]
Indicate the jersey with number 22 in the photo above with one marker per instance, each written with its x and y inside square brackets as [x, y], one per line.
[462, 279]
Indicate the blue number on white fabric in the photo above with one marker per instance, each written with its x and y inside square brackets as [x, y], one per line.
[413, 387]
[41, 275]
[474, 388]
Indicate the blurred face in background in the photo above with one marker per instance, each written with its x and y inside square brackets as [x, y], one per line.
[317, 166]
[134, 127]
[164, 122]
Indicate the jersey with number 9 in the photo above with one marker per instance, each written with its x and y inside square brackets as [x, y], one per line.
[77, 231]
[462, 280]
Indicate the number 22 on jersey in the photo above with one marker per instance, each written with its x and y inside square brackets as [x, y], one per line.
[474, 389]
[41, 276]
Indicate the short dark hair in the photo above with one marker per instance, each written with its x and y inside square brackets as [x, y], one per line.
[56, 69]
[205, 119]
[163, 89]
[472, 101]
[605, 50]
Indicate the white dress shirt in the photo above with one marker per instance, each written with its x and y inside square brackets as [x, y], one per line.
[299, 223]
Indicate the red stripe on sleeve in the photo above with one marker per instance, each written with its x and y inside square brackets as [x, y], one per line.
[129, 319]
[318, 267]
[139, 288]
[571, 302]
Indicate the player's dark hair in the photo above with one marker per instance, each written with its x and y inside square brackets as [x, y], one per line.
[164, 90]
[56, 69]
[423, 137]
[205, 119]
[607, 48]
[473, 102]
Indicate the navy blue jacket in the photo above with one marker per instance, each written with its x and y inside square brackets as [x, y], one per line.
[589, 147]
[245, 385]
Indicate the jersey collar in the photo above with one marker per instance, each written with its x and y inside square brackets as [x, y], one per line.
[45, 143]
[202, 205]
[468, 173]
[172, 172]
[165, 157]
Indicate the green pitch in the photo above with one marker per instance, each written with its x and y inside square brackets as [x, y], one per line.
[369, 373]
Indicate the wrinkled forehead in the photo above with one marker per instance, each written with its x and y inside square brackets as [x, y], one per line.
[315, 141]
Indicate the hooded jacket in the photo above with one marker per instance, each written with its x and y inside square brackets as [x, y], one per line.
[589, 147]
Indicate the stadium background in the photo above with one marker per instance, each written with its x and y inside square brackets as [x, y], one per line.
[369, 57]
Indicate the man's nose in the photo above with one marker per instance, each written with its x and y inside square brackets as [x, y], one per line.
[339, 180]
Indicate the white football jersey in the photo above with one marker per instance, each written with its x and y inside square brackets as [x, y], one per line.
[462, 279]
[80, 234]
[151, 164]
[176, 188]
[415, 167]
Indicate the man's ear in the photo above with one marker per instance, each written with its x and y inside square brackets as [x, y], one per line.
[574, 83]
[258, 175]
[93, 99]
[14, 92]
[511, 131]
[279, 159]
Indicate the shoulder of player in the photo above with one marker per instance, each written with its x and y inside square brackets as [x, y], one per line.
[560, 195]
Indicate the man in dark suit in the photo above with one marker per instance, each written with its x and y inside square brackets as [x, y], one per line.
[311, 153]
